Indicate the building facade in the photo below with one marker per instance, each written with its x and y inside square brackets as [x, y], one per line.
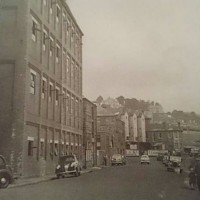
[141, 128]
[133, 127]
[110, 136]
[89, 133]
[165, 139]
[41, 77]
[125, 119]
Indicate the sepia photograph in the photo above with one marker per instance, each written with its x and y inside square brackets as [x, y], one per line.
[99, 99]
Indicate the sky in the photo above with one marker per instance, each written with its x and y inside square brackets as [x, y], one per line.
[143, 49]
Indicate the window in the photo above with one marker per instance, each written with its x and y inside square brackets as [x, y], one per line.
[169, 135]
[58, 13]
[42, 147]
[57, 96]
[30, 147]
[51, 7]
[50, 92]
[33, 81]
[57, 53]
[44, 40]
[51, 46]
[67, 64]
[34, 29]
[45, 2]
[56, 149]
[51, 148]
[44, 84]
[159, 135]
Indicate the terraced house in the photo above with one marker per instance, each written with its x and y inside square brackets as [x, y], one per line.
[41, 81]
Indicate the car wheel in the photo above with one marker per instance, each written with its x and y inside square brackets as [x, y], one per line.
[58, 176]
[76, 173]
[4, 180]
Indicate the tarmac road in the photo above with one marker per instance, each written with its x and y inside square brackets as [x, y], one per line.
[131, 182]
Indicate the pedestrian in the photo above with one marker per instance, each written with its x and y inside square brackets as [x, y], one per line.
[105, 160]
[192, 179]
[197, 172]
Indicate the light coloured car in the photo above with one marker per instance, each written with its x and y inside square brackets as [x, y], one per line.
[145, 159]
[117, 159]
[68, 165]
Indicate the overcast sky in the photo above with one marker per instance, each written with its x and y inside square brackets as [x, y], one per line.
[144, 49]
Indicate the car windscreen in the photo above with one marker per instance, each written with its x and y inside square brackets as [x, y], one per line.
[66, 159]
[116, 156]
[144, 156]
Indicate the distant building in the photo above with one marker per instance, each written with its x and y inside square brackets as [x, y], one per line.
[41, 85]
[89, 133]
[133, 128]
[110, 136]
[155, 108]
[125, 119]
[165, 139]
[141, 128]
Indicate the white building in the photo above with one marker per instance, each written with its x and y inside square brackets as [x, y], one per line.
[125, 119]
[141, 128]
[133, 127]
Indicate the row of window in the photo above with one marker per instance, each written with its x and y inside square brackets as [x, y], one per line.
[70, 105]
[72, 40]
[53, 148]
[160, 135]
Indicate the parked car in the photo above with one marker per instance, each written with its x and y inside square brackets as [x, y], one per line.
[174, 164]
[117, 159]
[160, 157]
[6, 175]
[68, 164]
[165, 160]
[145, 159]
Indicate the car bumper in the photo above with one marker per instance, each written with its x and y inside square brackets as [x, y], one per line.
[116, 162]
[66, 172]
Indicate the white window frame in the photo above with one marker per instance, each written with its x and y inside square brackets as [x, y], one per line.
[57, 97]
[33, 87]
[45, 2]
[50, 92]
[57, 17]
[43, 93]
[57, 54]
[51, 42]
[34, 36]
[44, 40]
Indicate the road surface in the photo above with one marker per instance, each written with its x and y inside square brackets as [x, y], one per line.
[131, 182]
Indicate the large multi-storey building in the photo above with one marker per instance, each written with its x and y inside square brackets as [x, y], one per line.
[89, 133]
[41, 82]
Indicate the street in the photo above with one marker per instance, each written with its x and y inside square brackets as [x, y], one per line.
[131, 182]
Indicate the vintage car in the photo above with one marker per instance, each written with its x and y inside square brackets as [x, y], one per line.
[6, 175]
[145, 159]
[117, 159]
[160, 157]
[174, 164]
[68, 164]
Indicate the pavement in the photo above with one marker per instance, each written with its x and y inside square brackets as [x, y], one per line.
[130, 182]
[35, 180]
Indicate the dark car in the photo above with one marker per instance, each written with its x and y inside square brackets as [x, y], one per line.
[160, 156]
[68, 164]
[6, 175]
